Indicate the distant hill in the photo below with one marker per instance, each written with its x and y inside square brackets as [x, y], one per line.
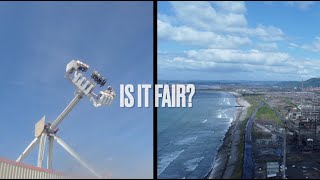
[313, 82]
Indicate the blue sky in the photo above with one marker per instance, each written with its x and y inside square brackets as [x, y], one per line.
[238, 40]
[37, 40]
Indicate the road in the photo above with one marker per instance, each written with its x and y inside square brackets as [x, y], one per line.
[248, 165]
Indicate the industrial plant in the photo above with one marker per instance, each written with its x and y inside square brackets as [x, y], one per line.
[280, 135]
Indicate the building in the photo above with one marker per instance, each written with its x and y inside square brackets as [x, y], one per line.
[294, 115]
[309, 127]
[13, 170]
[273, 170]
[310, 113]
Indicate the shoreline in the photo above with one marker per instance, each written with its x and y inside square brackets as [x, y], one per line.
[227, 152]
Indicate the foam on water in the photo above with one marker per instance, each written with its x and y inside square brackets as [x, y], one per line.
[225, 115]
[186, 141]
[165, 160]
[192, 164]
[231, 119]
[215, 113]
[219, 115]
[228, 102]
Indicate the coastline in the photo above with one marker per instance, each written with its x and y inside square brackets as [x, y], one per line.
[227, 153]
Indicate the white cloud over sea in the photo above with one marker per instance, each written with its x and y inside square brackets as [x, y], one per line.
[218, 37]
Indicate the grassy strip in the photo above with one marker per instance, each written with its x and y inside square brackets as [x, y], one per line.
[291, 103]
[253, 100]
[266, 113]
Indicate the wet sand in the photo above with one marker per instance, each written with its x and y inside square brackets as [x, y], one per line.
[227, 154]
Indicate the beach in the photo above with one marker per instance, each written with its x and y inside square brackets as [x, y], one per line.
[227, 154]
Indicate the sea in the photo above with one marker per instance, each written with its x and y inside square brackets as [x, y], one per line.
[188, 138]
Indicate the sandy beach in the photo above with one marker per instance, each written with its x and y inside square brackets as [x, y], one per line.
[227, 154]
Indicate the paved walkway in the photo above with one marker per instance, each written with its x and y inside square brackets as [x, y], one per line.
[248, 165]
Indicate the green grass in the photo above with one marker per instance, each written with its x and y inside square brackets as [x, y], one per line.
[265, 113]
[253, 100]
[291, 103]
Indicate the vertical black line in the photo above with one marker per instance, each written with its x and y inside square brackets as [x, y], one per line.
[155, 79]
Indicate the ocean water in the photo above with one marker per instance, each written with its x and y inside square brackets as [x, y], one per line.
[188, 138]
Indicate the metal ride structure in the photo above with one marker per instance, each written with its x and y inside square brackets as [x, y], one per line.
[84, 87]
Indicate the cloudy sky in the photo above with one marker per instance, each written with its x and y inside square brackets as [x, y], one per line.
[238, 40]
[37, 40]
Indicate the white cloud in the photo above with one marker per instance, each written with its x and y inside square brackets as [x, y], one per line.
[203, 38]
[268, 33]
[185, 63]
[267, 46]
[227, 41]
[226, 60]
[265, 33]
[202, 15]
[253, 57]
[314, 46]
[301, 4]
[268, 2]
[290, 67]
[293, 45]
[212, 21]
[231, 6]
